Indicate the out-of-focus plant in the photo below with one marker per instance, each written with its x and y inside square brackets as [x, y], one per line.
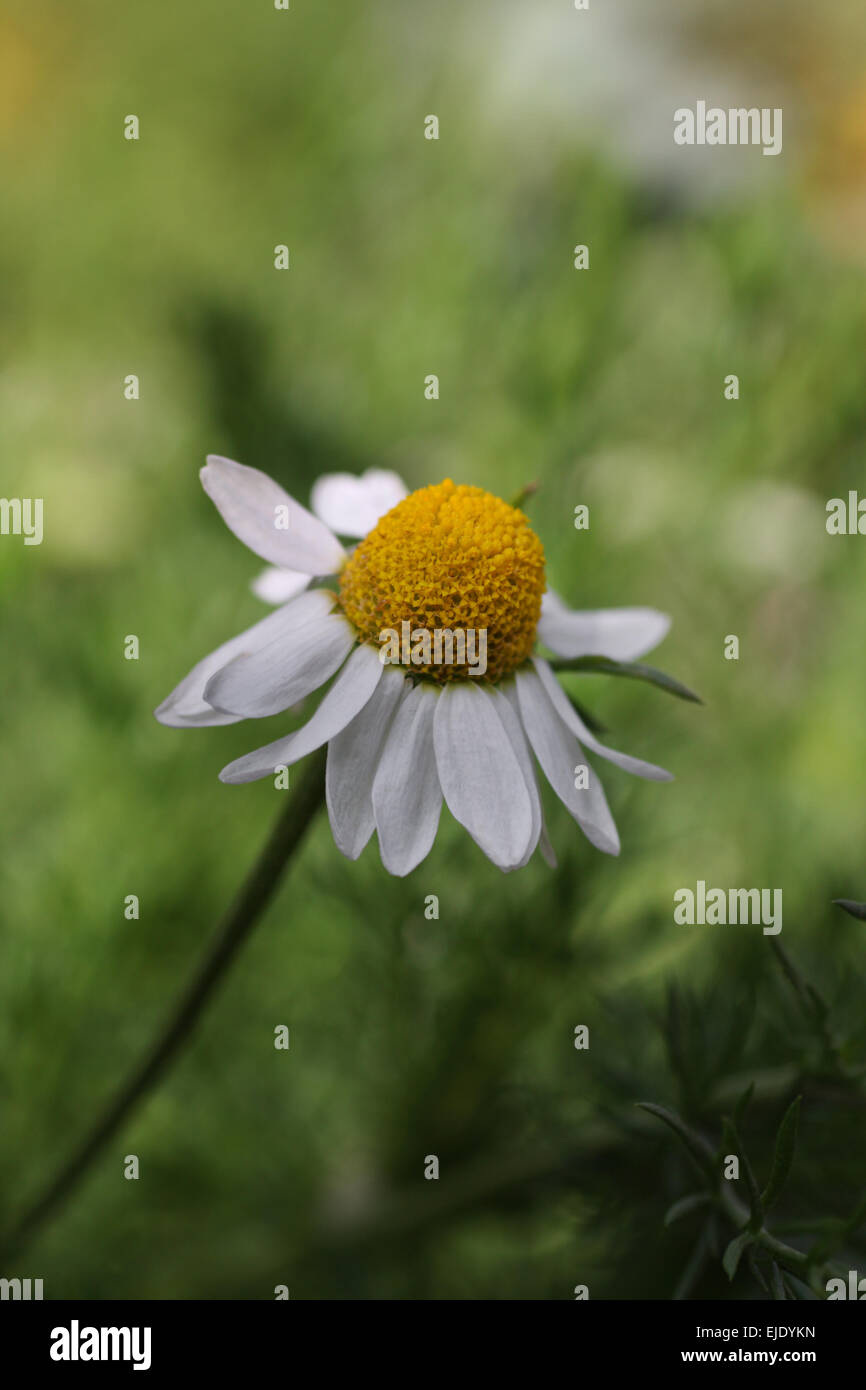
[781, 1270]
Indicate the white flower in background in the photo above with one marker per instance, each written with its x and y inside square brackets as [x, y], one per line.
[400, 740]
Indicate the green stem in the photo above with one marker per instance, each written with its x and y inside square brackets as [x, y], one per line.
[786, 1255]
[237, 925]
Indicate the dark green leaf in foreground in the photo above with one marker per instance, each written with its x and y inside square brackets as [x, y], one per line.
[733, 1254]
[606, 666]
[855, 909]
[697, 1147]
[786, 1143]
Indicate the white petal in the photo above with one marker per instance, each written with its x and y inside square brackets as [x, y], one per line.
[309, 645]
[255, 508]
[353, 757]
[407, 798]
[351, 506]
[505, 699]
[569, 716]
[347, 696]
[186, 706]
[272, 585]
[509, 690]
[481, 778]
[623, 634]
[559, 754]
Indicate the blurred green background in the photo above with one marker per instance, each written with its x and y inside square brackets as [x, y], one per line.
[411, 1037]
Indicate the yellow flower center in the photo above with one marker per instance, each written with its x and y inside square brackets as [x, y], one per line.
[449, 559]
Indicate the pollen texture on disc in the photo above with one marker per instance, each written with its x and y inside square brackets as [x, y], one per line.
[450, 557]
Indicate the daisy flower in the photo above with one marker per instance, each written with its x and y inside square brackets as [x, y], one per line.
[403, 738]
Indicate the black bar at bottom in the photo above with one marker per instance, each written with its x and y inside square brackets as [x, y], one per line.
[82, 1339]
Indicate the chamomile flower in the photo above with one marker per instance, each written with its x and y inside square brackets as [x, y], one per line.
[403, 738]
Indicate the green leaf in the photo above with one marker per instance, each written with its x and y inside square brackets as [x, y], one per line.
[733, 1140]
[694, 1143]
[685, 1205]
[606, 666]
[855, 909]
[786, 1144]
[733, 1254]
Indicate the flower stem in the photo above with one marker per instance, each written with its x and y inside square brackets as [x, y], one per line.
[234, 929]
